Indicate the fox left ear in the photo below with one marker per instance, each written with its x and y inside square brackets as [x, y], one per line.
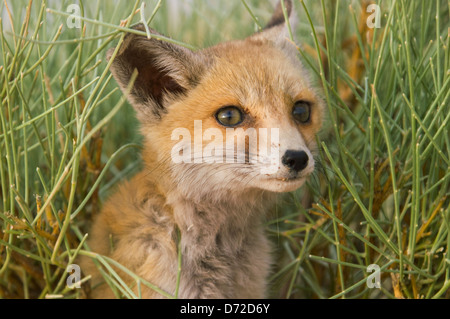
[165, 72]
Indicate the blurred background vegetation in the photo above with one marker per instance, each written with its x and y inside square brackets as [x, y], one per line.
[380, 195]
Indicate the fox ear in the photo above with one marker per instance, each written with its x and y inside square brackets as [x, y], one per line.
[276, 29]
[165, 72]
[278, 18]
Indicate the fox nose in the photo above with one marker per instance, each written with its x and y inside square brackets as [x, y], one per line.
[295, 160]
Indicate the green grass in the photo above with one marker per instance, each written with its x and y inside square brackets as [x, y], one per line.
[381, 193]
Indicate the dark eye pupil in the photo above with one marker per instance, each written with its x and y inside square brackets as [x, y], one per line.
[229, 116]
[302, 112]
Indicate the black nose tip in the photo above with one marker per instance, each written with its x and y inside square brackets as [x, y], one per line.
[295, 160]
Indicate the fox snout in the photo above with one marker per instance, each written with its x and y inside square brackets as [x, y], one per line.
[295, 161]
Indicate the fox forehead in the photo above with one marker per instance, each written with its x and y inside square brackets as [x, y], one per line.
[251, 74]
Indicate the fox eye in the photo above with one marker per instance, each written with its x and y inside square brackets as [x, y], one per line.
[229, 116]
[302, 112]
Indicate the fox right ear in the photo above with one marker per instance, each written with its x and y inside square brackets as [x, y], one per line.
[278, 19]
[276, 29]
[165, 72]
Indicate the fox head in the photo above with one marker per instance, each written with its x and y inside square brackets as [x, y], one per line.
[187, 101]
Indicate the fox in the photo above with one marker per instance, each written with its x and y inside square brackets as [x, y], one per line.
[195, 229]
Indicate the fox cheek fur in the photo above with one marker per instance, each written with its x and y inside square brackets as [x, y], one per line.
[213, 212]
